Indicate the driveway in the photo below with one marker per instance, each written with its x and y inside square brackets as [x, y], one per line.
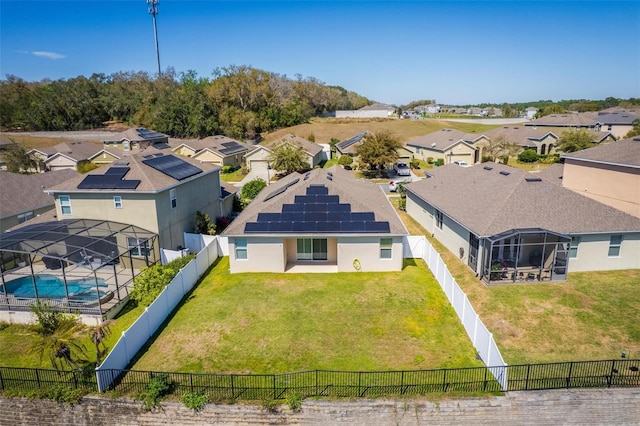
[255, 174]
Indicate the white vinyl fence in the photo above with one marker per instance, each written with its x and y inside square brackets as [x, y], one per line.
[482, 339]
[154, 315]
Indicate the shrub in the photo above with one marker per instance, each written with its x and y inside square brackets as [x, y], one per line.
[222, 222]
[505, 159]
[415, 163]
[345, 160]
[253, 188]
[430, 160]
[228, 169]
[270, 405]
[204, 224]
[294, 401]
[528, 156]
[86, 166]
[439, 162]
[159, 386]
[486, 158]
[195, 400]
[151, 281]
[55, 392]
[311, 137]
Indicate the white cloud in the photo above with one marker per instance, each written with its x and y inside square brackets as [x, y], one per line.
[50, 55]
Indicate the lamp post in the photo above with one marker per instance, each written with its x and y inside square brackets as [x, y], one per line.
[153, 10]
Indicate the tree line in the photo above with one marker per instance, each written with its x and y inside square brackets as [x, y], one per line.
[238, 101]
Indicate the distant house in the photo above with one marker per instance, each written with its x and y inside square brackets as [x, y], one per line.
[322, 221]
[539, 140]
[159, 193]
[348, 147]
[608, 173]
[618, 122]
[258, 159]
[376, 110]
[531, 112]
[447, 144]
[65, 155]
[136, 139]
[219, 150]
[22, 197]
[508, 225]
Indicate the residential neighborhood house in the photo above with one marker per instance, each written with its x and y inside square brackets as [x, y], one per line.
[219, 150]
[618, 121]
[322, 221]
[376, 110]
[258, 159]
[449, 145]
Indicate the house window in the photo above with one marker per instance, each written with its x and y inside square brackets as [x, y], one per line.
[138, 247]
[311, 249]
[25, 217]
[439, 218]
[117, 201]
[125, 146]
[385, 248]
[573, 247]
[241, 249]
[614, 245]
[172, 196]
[65, 204]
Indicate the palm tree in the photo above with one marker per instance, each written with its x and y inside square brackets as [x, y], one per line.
[98, 334]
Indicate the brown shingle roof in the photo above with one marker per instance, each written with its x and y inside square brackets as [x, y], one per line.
[77, 151]
[309, 147]
[151, 180]
[443, 139]
[213, 143]
[625, 152]
[569, 119]
[20, 193]
[363, 196]
[519, 135]
[137, 135]
[487, 202]
[553, 173]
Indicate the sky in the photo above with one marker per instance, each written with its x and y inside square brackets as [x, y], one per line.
[389, 51]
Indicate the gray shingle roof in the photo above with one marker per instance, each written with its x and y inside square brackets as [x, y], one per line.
[568, 119]
[21, 193]
[363, 196]
[219, 144]
[443, 139]
[377, 107]
[553, 173]
[309, 147]
[487, 202]
[137, 135]
[623, 152]
[78, 151]
[617, 117]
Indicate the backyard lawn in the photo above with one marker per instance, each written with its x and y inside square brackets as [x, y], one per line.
[275, 323]
[593, 315]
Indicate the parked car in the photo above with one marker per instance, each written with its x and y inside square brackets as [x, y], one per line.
[402, 169]
[393, 186]
[462, 163]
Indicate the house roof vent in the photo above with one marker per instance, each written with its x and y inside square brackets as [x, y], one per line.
[488, 168]
[533, 179]
[504, 173]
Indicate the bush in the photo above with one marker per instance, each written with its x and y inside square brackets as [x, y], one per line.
[439, 162]
[252, 188]
[228, 169]
[195, 400]
[55, 392]
[415, 163]
[204, 224]
[159, 386]
[528, 156]
[222, 222]
[311, 137]
[270, 405]
[294, 401]
[486, 158]
[430, 160]
[151, 281]
[86, 166]
[345, 160]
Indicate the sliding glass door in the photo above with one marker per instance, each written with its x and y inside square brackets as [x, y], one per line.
[312, 249]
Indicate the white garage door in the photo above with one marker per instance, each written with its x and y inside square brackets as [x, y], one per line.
[259, 166]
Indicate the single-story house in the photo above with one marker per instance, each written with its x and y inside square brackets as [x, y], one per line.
[376, 110]
[68, 155]
[22, 196]
[509, 226]
[325, 220]
[616, 121]
[447, 144]
[136, 138]
[258, 159]
[539, 140]
[219, 150]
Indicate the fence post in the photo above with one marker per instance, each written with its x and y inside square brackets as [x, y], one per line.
[316, 383]
[191, 381]
[569, 377]
[274, 386]
[484, 387]
[233, 392]
[38, 378]
[1, 380]
[526, 383]
[402, 383]
[75, 379]
[444, 381]
[613, 369]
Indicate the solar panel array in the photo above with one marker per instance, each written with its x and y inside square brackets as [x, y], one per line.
[172, 166]
[149, 134]
[348, 142]
[281, 190]
[112, 179]
[317, 212]
[232, 148]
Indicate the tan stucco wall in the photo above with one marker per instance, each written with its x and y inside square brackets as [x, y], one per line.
[61, 163]
[104, 158]
[593, 253]
[185, 151]
[12, 221]
[616, 186]
[617, 130]
[209, 157]
[367, 251]
[263, 255]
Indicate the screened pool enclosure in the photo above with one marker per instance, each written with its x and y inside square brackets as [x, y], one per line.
[76, 266]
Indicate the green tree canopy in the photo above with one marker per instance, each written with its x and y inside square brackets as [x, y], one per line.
[635, 131]
[253, 188]
[378, 149]
[288, 158]
[17, 160]
[575, 140]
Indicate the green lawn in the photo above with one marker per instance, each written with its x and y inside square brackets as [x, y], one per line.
[235, 176]
[270, 323]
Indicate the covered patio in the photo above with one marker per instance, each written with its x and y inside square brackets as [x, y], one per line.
[525, 255]
[76, 266]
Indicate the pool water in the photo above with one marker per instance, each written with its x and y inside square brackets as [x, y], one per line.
[52, 287]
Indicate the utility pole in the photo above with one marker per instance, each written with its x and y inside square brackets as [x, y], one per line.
[153, 10]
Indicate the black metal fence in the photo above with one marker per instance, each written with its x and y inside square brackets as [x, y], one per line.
[577, 374]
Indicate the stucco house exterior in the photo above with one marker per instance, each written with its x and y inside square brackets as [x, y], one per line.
[258, 159]
[608, 173]
[376, 110]
[540, 140]
[322, 221]
[348, 147]
[510, 226]
[154, 191]
[22, 196]
[617, 121]
[449, 144]
[135, 139]
[530, 112]
[219, 150]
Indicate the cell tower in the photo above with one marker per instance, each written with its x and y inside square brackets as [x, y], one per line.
[153, 10]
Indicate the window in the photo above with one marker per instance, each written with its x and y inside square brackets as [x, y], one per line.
[117, 201]
[573, 247]
[241, 249]
[125, 145]
[65, 204]
[614, 245]
[25, 217]
[439, 217]
[138, 247]
[172, 196]
[385, 248]
[311, 249]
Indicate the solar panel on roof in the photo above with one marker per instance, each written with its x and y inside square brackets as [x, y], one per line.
[352, 226]
[315, 216]
[318, 207]
[280, 226]
[317, 190]
[274, 193]
[292, 208]
[268, 217]
[256, 227]
[329, 226]
[377, 226]
[363, 216]
[107, 182]
[173, 166]
[305, 227]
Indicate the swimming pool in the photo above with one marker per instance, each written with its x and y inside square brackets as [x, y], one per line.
[52, 287]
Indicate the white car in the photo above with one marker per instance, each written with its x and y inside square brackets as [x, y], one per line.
[393, 186]
[402, 169]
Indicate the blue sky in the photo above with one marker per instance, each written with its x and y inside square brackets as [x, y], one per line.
[392, 52]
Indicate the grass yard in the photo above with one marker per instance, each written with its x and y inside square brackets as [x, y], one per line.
[275, 323]
[593, 315]
[16, 339]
